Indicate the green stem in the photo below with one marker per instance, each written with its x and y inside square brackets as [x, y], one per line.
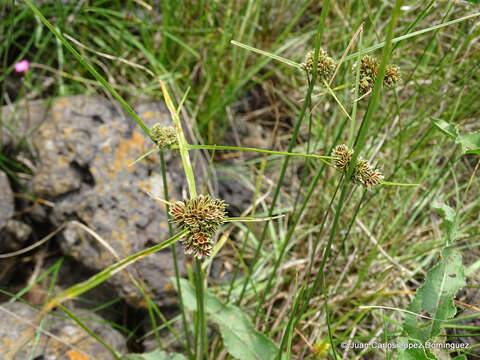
[187, 167]
[355, 103]
[240, 148]
[325, 6]
[372, 106]
[174, 254]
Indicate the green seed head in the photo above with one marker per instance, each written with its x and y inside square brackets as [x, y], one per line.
[368, 67]
[392, 75]
[368, 74]
[201, 216]
[363, 173]
[163, 136]
[373, 178]
[342, 155]
[326, 65]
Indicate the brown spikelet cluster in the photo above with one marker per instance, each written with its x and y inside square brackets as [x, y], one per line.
[368, 74]
[201, 216]
[164, 136]
[363, 173]
[342, 155]
[392, 75]
[326, 64]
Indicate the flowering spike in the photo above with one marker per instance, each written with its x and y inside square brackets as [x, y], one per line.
[392, 75]
[343, 156]
[369, 71]
[163, 136]
[201, 216]
[368, 74]
[368, 67]
[363, 173]
[326, 64]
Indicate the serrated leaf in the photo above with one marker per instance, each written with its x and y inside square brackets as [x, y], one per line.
[449, 220]
[240, 338]
[435, 298]
[155, 355]
[470, 143]
[446, 128]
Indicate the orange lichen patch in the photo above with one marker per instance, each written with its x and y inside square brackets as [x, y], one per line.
[126, 152]
[75, 355]
[168, 287]
[62, 161]
[148, 114]
[7, 342]
[122, 238]
[61, 102]
[103, 130]
[122, 224]
[94, 170]
[129, 196]
[67, 131]
[107, 149]
[145, 185]
[163, 224]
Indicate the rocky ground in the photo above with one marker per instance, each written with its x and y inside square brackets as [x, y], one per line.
[79, 150]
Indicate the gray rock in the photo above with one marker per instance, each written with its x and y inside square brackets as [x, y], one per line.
[6, 200]
[19, 230]
[84, 151]
[62, 338]
[15, 234]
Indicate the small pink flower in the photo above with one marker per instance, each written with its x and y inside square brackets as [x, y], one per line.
[22, 66]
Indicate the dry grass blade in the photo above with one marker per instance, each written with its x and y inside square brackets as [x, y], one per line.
[34, 245]
[349, 46]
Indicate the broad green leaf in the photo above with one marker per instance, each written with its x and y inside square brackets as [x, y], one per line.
[413, 354]
[446, 128]
[156, 355]
[434, 299]
[470, 143]
[449, 220]
[240, 338]
[407, 351]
